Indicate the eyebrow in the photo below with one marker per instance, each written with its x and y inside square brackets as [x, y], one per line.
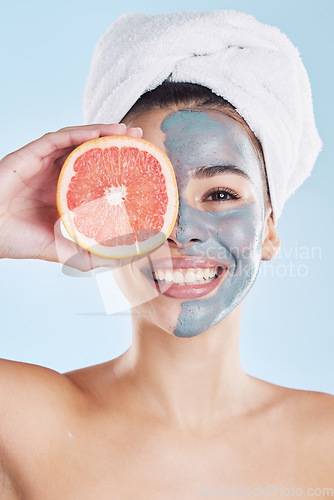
[211, 171]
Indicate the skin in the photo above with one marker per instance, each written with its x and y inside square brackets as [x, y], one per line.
[172, 416]
[231, 231]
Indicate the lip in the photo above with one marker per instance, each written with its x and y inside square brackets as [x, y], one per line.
[185, 291]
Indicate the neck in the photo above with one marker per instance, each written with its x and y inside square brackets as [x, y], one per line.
[188, 382]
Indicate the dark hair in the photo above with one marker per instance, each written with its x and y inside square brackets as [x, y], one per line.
[196, 96]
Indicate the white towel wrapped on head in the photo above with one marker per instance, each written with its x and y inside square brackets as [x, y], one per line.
[252, 65]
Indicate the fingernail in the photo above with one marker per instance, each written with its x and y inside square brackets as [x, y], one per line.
[123, 125]
[140, 130]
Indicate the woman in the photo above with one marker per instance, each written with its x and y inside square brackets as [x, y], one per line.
[175, 416]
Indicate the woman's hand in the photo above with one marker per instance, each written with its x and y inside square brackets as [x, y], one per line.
[29, 219]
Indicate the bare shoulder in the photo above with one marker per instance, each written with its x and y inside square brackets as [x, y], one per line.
[26, 387]
[301, 424]
[312, 407]
[36, 405]
[311, 416]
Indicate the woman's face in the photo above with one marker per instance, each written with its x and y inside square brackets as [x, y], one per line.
[219, 225]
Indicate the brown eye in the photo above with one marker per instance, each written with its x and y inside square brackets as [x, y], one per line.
[222, 194]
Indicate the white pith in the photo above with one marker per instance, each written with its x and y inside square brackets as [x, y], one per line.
[185, 275]
[115, 195]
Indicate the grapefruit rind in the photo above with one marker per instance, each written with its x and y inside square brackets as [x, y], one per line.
[121, 251]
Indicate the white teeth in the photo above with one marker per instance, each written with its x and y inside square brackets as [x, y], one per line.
[189, 277]
[160, 275]
[169, 276]
[207, 273]
[178, 277]
[186, 276]
[199, 275]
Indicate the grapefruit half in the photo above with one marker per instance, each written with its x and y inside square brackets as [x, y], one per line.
[117, 196]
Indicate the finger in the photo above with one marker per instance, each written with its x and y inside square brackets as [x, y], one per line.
[64, 138]
[22, 162]
[58, 155]
[59, 162]
[135, 132]
[93, 126]
[75, 136]
[61, 155]
[103, 127]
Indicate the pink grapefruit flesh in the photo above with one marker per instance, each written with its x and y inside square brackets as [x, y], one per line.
[117, 196]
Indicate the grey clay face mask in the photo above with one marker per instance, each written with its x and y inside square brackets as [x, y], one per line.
[232, 234]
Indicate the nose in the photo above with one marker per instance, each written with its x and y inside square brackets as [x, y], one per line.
[189, 226]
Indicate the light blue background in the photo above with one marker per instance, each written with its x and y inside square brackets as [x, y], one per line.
[58, 321]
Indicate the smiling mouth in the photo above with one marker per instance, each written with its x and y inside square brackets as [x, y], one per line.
[189, 277]
[190, 288]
